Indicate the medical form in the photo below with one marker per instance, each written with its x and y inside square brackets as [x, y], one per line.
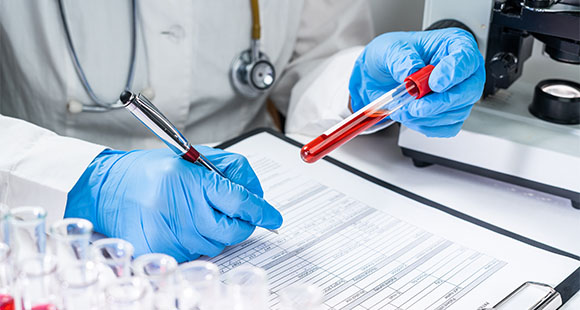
[367, 247]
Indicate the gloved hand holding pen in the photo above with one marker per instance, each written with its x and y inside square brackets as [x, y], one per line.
[456, 81]
[162, 203]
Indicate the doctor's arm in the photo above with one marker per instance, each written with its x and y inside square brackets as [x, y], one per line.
[152, 198]
[39, 167]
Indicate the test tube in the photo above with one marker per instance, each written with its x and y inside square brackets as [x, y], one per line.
[79, 285]
[71, 237]
[3, 224]
[6, 279]
[26, 232]
[248, 287]
[414, 87]
[114, 253]
[160, 270]
[130, 293]
[201, 287]
[301, 297]
[37, 283]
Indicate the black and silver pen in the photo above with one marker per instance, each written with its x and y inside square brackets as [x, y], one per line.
[155, 121]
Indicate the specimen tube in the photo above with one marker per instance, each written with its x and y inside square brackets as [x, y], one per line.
[26, 231]
[7, 288]
[160, 270]
[71, 237]
[114, 253]
[37, 283]
[79, 285]
[200, 284]
[248, 286]
[129, 293]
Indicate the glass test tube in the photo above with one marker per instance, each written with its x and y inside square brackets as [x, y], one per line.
[160, 270]
[3, 224]
[6, 279]
[79, 285]
[415, 86]
[129, 293]
[114, 253]
[71, 237]
[37, 283]
[301, 297]
[201, 287]
[248, 287]
[26, 229]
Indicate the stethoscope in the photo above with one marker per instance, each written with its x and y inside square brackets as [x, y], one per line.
[251, 72]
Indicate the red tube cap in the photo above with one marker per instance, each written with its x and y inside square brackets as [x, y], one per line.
[420, 80]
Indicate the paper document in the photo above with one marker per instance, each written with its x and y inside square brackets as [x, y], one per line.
[367, 247]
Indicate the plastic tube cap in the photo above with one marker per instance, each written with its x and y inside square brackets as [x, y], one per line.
[420, 80]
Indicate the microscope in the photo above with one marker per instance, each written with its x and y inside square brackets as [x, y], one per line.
[525, 130]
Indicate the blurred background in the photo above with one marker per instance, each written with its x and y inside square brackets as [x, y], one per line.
[388, 15]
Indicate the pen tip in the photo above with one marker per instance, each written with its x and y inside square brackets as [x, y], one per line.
[125, 96]
[274, 231]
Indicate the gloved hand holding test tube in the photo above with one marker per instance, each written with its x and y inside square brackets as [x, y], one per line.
[414, 87]
[426, 80]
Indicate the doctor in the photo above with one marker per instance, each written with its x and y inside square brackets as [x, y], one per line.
[63, 64]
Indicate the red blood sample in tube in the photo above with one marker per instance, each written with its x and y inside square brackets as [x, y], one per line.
[415, 86]
[6, 302]
[325, 144]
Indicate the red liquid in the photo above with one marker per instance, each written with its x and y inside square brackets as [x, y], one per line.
[44, 307]
[324, 144]
[6, 302]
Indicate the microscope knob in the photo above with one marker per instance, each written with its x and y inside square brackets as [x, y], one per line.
[449, 23]
[503, 65]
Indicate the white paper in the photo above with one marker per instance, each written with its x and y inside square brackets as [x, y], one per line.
[367, 247]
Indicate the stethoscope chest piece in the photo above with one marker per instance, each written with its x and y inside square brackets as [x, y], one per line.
[251, 76]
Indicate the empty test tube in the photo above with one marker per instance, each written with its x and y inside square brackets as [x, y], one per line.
[114, 253]
[129, 293]
[248, 288]
[3, 224]
[26, 230]
[161, 271]
[70, 238]
[201, 286]
[79, 285]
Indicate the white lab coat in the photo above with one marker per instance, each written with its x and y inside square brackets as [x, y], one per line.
[184, 52]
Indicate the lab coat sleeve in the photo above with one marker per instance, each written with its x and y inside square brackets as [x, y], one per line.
[313, 89]
[39, 167]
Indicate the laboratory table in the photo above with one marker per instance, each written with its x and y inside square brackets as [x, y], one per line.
[543, 217]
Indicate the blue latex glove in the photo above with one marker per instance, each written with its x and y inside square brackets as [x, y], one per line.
[162, 203]
[457, 80]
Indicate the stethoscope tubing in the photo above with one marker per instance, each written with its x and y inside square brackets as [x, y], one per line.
[99, 104]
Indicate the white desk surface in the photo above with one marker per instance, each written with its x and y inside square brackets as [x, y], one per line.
[546, 218]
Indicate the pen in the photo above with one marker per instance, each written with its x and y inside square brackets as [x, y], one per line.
[154, 120]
